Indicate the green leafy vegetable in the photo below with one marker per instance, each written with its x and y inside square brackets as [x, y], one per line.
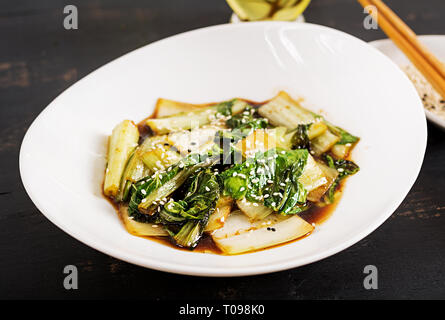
[300, 139]
[145, 187]
[246, 121]
[225, 108]
[272, 178]
[242, 125]
[345, 137]
[161, 189]
[344, 167]
[163, 183]
[199, 203]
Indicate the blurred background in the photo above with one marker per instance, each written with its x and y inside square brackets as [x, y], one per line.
[39, 59]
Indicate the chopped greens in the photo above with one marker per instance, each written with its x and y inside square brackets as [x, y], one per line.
[225, 108]
[195, 209]
[149, 191]
[201, 166]
[344, 167]
[242, 124]
[270, 177]
[345, 137]
[300, 139]
[246, 121]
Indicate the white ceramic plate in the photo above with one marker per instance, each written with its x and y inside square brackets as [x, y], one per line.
[62, 157]
[436, 43]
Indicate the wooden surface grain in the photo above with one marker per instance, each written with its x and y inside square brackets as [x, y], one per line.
[39, 59]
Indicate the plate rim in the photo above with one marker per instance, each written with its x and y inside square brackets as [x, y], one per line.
[200, 270]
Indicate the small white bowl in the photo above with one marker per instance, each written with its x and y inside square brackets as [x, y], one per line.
[436, 43]
[235, 19]
[62, 157]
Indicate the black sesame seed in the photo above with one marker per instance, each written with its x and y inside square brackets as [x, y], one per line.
[268, 228]
[273, 229]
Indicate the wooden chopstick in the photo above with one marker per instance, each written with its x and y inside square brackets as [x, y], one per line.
[409, 34]
[431, 68]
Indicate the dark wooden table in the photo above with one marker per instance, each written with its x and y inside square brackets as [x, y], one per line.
[39, 59]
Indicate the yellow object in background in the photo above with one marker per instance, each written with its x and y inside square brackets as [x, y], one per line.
[255, 10]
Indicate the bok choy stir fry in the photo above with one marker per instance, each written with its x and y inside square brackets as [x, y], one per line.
[241, 173]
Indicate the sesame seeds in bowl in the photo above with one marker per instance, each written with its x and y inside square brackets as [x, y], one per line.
[434, 104]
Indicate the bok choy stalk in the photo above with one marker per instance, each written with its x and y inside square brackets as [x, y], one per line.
[344, 167]
[136, 169]
[166, 107]
[188, 120]
[282, 110]
[240, 234]
[222, 210]
[123, 141]
[271, 177]
[186, 219]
